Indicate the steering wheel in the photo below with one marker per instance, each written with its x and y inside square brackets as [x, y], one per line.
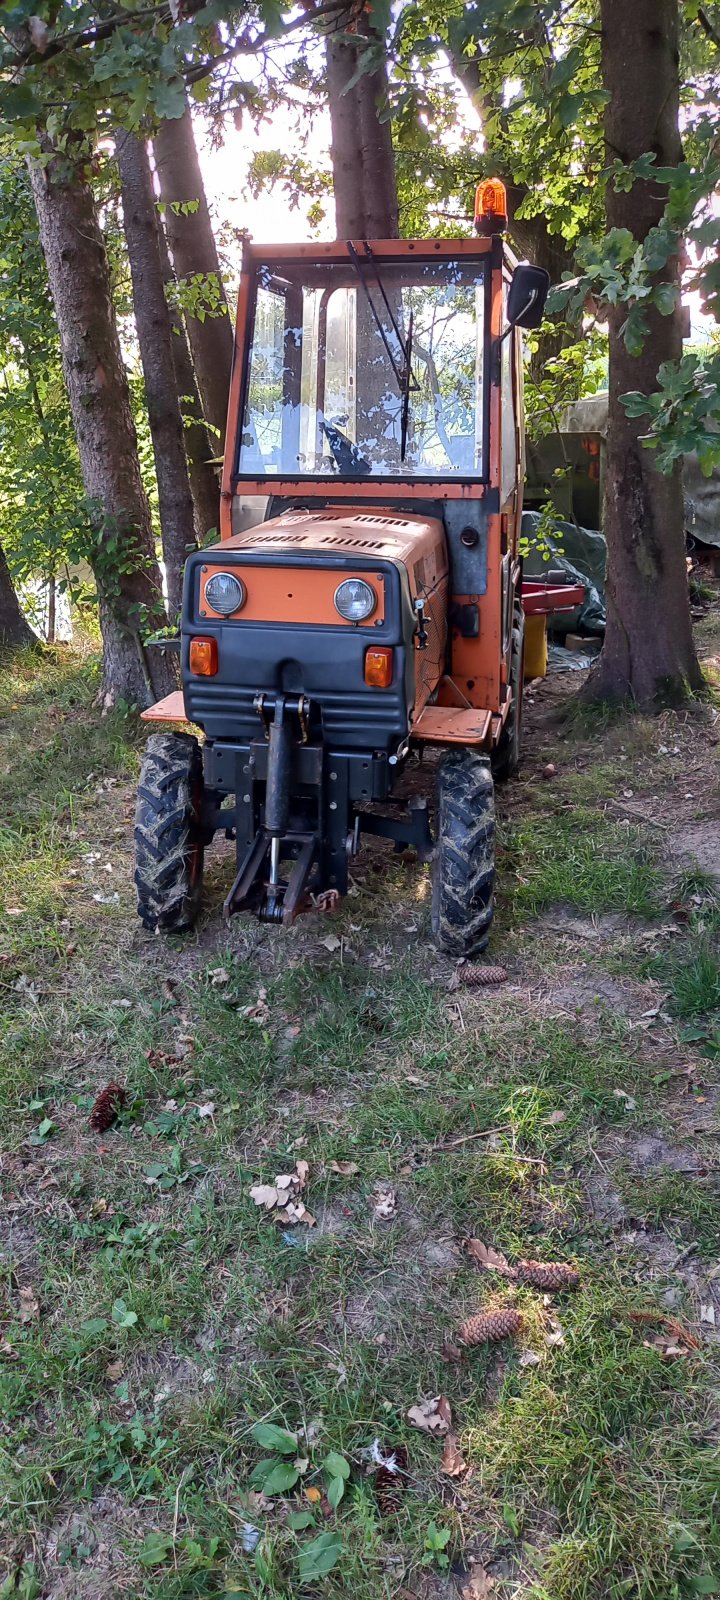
[345, 454]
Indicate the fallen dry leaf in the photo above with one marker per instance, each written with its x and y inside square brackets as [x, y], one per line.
[208, 1110]
[555, 1337]
[313, 1495]
[529, 1359]
[331, 942]
[677, 1332]
[264, 1194]
[451, 1352]
[431, 1416]
[8, 1351]
[114, 1371]
[384, 1204]
[484, 1256]
[346, 1169]
[453, 1462]
[283, 1196]
[666, 1348]
[29, 1307]
[218, 976]
[554, 1117]
[707, 1314]
[479, 1586]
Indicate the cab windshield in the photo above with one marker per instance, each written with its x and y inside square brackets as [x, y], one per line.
[366, 368]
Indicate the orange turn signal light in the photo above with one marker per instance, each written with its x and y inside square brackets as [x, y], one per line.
[204, 657]
[379, 665]
[490, 206]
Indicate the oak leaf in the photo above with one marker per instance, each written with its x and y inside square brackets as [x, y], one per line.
[431, 1416]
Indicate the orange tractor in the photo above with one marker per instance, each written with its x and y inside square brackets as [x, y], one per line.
[377, 406]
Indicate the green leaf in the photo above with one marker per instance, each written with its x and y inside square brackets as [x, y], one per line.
[262, 1470]
[336, 1490]
[300, 1520]
[94, 1325]
[155, 1549]
[121, 1316]
[569, 109]
[18, 102]
[705, 1584]
[281, 1478]
[319, 1557]
[169, 99]
[270, 1437]
[43, 1131]
[336, 1465]
[666, 297]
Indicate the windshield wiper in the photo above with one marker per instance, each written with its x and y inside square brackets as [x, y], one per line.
[404, 376]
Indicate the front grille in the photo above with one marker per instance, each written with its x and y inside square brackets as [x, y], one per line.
[350, 719]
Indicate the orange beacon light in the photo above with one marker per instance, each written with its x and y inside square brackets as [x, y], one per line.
[491, 206]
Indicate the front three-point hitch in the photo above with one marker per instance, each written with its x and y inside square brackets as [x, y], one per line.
[294, 805]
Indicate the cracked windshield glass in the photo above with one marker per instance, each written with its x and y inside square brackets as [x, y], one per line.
[366, 368]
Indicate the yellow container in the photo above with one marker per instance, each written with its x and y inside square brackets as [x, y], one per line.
[536, 647]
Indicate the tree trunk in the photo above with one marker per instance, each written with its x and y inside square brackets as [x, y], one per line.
[154, 331]
[649, 655]
[345, 141]
[194, 251]
[366, 203]
[124, 561]
[530, 237]
[15, 632]
[204, 485]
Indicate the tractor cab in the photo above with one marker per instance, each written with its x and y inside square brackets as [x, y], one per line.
[376, 407]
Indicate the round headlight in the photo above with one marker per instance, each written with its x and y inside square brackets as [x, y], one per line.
[355, 600]
[225, 593]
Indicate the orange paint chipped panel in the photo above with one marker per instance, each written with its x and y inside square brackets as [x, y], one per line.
[170, 709]
[449, 725]
[292, 593]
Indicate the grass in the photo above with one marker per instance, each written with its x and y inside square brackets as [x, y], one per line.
[153, 1316]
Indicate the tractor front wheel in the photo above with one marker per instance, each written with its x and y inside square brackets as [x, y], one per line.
[169, 845]
[464, 860]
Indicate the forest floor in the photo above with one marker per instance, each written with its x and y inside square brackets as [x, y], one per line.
[154, 1320]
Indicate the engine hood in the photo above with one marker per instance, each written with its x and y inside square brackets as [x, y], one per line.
[346, 531]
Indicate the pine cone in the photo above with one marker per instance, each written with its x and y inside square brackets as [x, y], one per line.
[549, 1275]
[390, 1480]
[474, 976]
[106, 1107]
[488, 1327]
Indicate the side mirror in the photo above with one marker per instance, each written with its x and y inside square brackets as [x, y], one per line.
[527, 295]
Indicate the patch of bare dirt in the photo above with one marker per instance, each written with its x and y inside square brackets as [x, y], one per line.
[649, 1153]
[103, 1529]
[699, 844]
[586, 992]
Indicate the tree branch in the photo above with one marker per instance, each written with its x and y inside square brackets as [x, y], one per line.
[708, 27]
[247, 45]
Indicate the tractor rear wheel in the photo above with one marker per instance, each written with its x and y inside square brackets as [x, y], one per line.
[463, 870]
[506, 758]
[169, 845]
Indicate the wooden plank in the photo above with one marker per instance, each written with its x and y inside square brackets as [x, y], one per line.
[451, 725]
[170, 709]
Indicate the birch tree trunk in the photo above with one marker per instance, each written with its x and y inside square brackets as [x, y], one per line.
[194, 251]
[649, 654]
[124, 561]
[154, 331]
